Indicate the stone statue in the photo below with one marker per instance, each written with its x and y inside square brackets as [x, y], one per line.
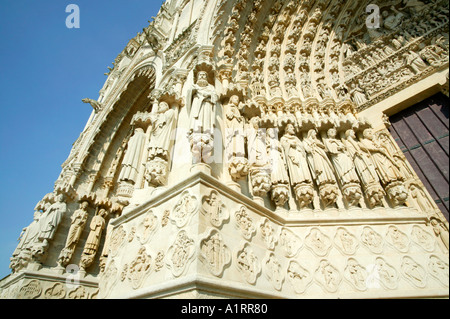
[365, 169]
[29, 234]
[321, 167]
[78, 221]
[133, 154]
[201, 105]
[163, 125]
[299, 174]
[385, 166]
[97, 225]
[50, 220]
[161, 138]
[344, 166]
[279, 175]
[234, 126]
[320, 164]
[358, 95]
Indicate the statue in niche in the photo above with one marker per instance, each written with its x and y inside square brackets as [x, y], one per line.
[78, 221]
[161, 136]
[49, 223]
[365, 169]
[201, 103]
[235, 139]
[133, 154]
[299, 174]
[344, 166]
[97, 225]
[321, 167]
[279, 175]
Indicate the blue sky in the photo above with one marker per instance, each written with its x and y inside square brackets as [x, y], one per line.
[45, 71]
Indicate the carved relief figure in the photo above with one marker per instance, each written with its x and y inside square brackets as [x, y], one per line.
[147, 228]
[215, 254]
[248, 265]
[387, 274]
[413, 272]
[318, 242]
[423, 238]
[397, 238]
[345, 241]
[268, 233]
[139, 268]
[245, 223]
[356, 274]
[184, 209]
[213, 207]
[273, 271]
[441, 232]
[180, 253]
[290, 242]
[299, 276]
[328, 276]
[372, 240]
[438, 269]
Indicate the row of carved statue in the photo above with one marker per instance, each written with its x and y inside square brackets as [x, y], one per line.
[35, 239]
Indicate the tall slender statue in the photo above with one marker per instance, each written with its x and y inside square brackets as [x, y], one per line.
[49, 223]
[97, 225]
[386, 167]
[201, 103]
[344, 166]
[279, 175]
[161, 139]
[133, 154]
[365, 169]
[299, 174]
[78, 221]
[321, 168]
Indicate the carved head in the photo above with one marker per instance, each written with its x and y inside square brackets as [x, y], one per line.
[60, 198]
[331, 132]
[84, 205]
[202, 79]
[350, 133]
[290, 129]
[163, 107]
[312, 133]
[368, 133]
[234, 99]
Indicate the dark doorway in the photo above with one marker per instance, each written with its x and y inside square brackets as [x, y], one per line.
[421, 131]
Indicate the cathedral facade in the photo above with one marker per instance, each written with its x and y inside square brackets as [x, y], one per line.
[257, 149]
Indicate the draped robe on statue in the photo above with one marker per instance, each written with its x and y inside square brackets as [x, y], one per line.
[296, 160]
[161, 135]
[130, 163]
[201, 106]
